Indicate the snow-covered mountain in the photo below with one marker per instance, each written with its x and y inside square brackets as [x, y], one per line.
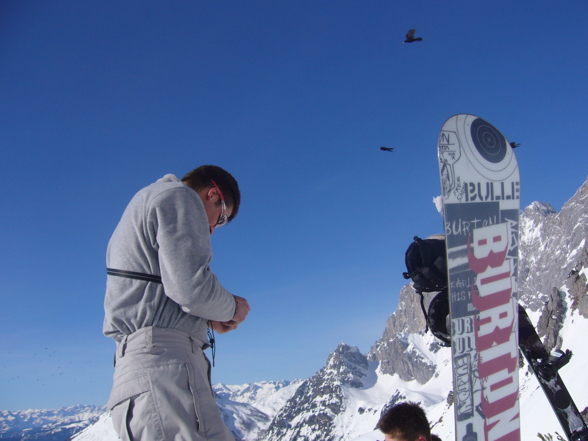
[47, 425]
[247, 410]
[344, 400]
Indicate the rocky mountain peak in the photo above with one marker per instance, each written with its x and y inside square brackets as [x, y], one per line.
[550, 244]
[346, 365]
[577, 283]
[311, 412]
[539, 210]
[394, 351]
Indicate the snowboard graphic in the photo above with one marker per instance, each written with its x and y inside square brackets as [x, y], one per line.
[481, 198]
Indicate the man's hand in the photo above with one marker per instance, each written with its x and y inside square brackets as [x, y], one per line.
[241, 310]
[222, 327]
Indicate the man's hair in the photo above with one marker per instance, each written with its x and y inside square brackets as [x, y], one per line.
[202, 177]
[406, 421]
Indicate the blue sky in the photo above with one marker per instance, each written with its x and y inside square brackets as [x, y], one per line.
[98, 99]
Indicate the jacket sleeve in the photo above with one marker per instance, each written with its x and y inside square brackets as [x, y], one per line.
[179, 225]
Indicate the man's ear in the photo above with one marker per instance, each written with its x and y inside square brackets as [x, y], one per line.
[211, 192]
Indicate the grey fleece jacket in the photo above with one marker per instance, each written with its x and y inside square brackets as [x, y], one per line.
[164, 231]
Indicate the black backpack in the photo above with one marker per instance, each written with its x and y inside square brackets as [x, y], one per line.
[426, 266]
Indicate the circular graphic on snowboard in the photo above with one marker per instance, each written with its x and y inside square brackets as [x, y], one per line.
[489, 142]
[486, 148]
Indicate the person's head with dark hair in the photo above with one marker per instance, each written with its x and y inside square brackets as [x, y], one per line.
[212, 176]
[405, 422]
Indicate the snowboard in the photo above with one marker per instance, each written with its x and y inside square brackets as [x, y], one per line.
[545, 367]
[481, 201]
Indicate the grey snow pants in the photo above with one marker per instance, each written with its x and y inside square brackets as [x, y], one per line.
[162, 389]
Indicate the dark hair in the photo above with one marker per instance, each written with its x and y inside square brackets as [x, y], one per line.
[202, 177]
[406, 421]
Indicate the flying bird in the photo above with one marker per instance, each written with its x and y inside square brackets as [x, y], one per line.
[514, 145]
[410, 36]
[387, 149]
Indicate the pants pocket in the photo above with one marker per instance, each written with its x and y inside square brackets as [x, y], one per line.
[133, 408]
[120, 418]
[174, 393]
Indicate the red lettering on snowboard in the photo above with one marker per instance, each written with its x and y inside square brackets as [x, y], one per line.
[494, 329]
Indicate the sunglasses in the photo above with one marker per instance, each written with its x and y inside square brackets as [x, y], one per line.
[223, 219]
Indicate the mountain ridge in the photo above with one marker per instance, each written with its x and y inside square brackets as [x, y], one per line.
[47, 425]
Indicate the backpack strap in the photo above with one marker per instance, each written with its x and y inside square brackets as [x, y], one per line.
[133, 275]
[424, 310]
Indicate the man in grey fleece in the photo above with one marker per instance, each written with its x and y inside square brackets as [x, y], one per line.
[161, 298]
